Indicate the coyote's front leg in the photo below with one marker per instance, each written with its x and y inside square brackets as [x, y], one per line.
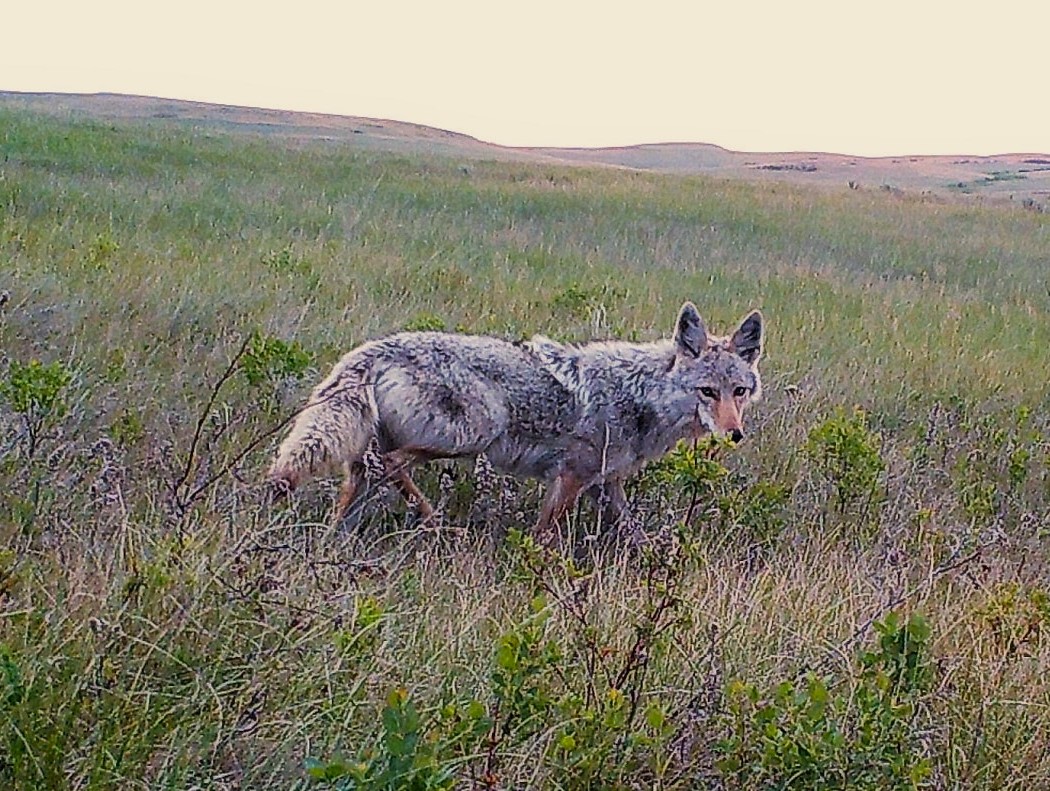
[348, 492]
[611, 502]
[561, 496]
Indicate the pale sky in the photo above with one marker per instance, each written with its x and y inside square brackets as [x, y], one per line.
[882, 77]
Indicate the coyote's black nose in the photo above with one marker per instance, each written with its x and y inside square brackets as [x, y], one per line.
[736, 435]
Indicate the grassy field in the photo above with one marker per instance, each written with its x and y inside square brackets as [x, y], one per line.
[856, 597]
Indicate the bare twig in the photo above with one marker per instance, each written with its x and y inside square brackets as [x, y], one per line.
[183, 503]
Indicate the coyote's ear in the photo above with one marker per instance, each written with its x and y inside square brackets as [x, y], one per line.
[690, 335]
[747, 340]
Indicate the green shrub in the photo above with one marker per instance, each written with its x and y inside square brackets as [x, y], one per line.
[299, 271]
[268, 359]
[606, 730]
[426, 322]
[692, 471]
[128, 428]
[816, 732]
[1017, 616]
[846, 453]
[412, 754]
[524, 669]
[34, 391]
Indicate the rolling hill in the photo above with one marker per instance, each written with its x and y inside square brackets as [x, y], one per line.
[1021, 177]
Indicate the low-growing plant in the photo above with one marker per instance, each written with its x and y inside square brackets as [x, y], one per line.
[268, 359]
[991, 476]
[699, 487]
[116, 366]
[525, 667]
[900, 657]
[831, 732]
[281, 261]
[691, 473]
[606, 731]
[757, 511]
[102, 248]
[128, 428]
[299, 270]
[359, 640]
[593, 303]
[8, 572]
[35, 392]
[846, 452]
[426, 322]
[11, 685]
[412, 754]
[1017, 617]
[265, 362]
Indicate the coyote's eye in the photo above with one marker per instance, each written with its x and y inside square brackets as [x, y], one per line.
[740, 392]
[709, 392]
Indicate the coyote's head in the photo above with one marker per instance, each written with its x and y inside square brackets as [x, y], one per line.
[722, 371]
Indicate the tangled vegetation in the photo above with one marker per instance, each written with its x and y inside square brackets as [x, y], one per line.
[856, 597]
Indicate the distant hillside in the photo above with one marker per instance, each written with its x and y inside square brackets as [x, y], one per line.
[1020, 177]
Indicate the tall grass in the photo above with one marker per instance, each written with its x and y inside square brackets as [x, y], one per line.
[162, 625]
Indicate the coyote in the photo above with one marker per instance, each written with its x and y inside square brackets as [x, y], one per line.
[581, 418]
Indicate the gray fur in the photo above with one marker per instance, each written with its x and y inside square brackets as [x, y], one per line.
[581, 418]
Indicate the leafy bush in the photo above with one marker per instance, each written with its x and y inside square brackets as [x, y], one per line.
[268, 359]
[692, 473]
[298, 270]
[426, 322]
[1017, 617]
[34, 391]
[846, 452]
[819, 732]
[412, 754]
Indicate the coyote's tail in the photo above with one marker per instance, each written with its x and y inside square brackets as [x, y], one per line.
[334, 428]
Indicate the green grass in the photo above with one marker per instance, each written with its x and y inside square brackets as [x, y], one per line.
[154, 639]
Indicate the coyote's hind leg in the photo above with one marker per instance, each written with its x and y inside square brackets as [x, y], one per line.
[611, 502]
[397, 465]
[617, 521]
